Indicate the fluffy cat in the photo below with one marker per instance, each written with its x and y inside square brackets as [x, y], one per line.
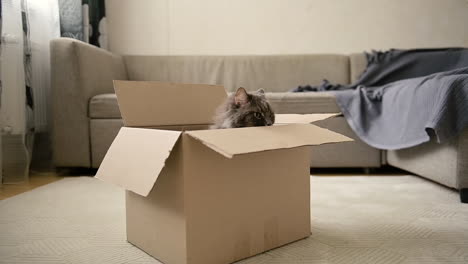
[243, 109]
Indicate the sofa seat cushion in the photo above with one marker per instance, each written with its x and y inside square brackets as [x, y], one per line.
[303, 103]
[104, 106]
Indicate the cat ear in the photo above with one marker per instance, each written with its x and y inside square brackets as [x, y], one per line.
[261, 92]
[241, 97]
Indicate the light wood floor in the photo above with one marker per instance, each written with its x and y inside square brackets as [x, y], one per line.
[36, 179]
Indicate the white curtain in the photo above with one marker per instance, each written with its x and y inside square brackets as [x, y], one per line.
[13, 109]
[44, 25]
[27, 28]
[13, 96]
[41, 21]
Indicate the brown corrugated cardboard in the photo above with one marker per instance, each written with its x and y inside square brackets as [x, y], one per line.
[146, 104]
[230, 142]
[208, 196]
[140, 153]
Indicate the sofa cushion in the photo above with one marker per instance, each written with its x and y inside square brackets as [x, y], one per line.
[345, 154]
[303, 103]
[284, 73]
[104, 106]
[102, 134]
[274, 73]
[358, 63]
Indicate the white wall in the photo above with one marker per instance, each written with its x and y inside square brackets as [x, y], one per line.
[283, 26]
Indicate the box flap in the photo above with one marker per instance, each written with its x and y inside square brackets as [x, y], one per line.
[301, 118]
[230, 142]
[136, 157]
[146, 104]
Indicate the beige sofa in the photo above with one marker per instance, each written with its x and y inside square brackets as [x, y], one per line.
[86, 117]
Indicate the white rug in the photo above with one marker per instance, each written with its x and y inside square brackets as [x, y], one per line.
[375, 219]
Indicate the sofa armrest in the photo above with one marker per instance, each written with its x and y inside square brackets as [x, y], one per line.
[462, 160]
[303, 103]
[79, 71]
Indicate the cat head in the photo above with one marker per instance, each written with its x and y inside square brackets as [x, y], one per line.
[251, 109]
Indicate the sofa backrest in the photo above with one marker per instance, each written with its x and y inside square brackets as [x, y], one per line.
[357, 63]
[274, 73]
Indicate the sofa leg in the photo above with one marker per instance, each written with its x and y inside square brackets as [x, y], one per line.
[464, 195]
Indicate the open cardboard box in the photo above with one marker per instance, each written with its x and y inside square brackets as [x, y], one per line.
[208, 196]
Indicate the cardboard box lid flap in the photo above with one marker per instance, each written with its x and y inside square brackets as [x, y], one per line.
[230, 142]
[149, 104]
[136, 157]
[302, 118]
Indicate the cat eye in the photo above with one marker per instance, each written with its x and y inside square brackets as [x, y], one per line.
[258, 115]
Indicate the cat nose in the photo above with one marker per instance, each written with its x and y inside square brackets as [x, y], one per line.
[269, 124]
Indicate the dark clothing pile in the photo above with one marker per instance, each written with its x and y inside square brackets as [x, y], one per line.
[405, 97]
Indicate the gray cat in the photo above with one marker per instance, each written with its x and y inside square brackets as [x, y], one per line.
[244, 109]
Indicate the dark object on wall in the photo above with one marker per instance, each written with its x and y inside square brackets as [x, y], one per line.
[96, 18]
[84, 20]
[71, 19]
[27, 54]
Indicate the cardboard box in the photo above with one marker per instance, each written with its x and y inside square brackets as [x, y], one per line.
[208, 196]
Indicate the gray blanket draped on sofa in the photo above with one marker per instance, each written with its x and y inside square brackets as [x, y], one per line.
[404, 97]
